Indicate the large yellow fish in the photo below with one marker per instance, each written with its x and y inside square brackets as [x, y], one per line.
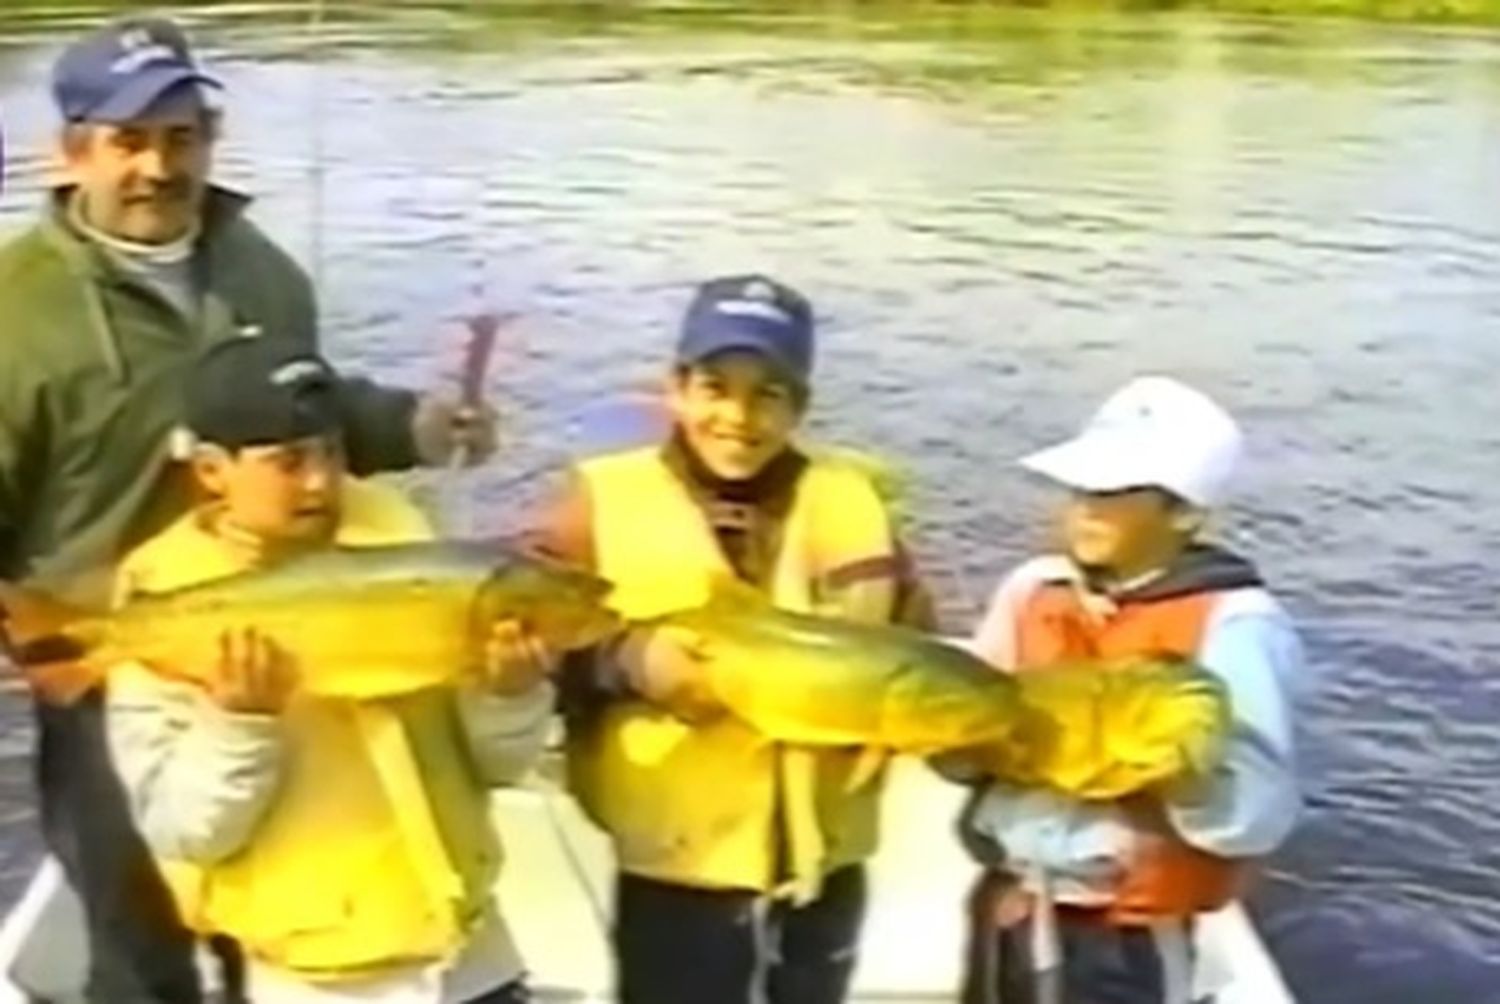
[1103, 730]
[811, 680]
[1093, 730]
[362, 622]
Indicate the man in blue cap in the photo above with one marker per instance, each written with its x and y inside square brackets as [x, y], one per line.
[741, 861]
[137, 264]
[140, 123]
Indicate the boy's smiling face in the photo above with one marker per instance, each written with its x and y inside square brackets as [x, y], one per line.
[737, 412]
[282, 493]
[1126, 533]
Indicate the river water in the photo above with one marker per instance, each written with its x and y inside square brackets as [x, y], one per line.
[1000, 216]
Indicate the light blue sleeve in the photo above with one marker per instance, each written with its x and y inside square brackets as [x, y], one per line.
[1082, 844]
[1254, 800]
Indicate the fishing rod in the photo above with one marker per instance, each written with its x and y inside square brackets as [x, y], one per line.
[479, 349]
[314, 31]
[478, 352]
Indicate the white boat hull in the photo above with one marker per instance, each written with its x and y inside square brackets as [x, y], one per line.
[555, 894]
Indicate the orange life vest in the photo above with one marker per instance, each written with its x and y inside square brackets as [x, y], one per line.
[1169, 877]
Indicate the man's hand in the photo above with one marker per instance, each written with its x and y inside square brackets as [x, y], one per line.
[669, 667]
[254, 676]
[515, 660]
[443, 426]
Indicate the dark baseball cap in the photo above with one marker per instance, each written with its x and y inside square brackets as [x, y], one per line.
[260, 390]
[120, 71]
[752, 313]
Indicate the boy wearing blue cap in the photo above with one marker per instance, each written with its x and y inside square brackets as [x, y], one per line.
[741, 863]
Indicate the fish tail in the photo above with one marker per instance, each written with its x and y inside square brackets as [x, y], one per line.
[50, 642]
[58, 668]
[62, 682]
[29, 614]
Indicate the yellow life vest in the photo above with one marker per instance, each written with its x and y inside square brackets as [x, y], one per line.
[377, 850]
[698, 805]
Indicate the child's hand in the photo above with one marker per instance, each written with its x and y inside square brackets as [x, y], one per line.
[515, 659]
[254, 675]
[669, 667]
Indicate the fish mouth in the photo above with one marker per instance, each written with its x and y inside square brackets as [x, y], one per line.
[594, 629]
[569, 630]
[568, 618]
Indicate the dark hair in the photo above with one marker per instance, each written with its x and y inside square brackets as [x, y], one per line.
[1170, 500]
[334, 437]
[800, 392]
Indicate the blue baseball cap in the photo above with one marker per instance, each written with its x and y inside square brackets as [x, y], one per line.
[752, 313]
[117, 73]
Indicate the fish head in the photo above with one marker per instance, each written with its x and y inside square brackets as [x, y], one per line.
[1180, 718]
[984, 715]
[564, 605]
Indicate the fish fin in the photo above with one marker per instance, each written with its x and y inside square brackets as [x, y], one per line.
[729, 593]
[872, 760]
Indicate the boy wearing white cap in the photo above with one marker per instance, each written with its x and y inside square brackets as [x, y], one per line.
[1128, 877]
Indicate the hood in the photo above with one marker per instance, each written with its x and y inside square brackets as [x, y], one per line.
[1202, 568]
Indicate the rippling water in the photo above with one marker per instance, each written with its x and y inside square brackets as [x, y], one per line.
[1001, 216]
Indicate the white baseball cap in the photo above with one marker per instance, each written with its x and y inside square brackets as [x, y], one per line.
[1154, 432]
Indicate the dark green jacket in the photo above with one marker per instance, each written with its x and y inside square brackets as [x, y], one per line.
[92, 364]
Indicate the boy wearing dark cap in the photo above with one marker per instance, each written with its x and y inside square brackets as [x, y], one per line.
[741, 873]
[285, 821]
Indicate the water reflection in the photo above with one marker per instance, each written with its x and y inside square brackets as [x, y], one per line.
[1001, 215]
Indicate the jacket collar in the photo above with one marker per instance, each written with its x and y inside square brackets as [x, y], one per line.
[1202, 568]
[772, 489]
[98, 270]
[222, 207]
